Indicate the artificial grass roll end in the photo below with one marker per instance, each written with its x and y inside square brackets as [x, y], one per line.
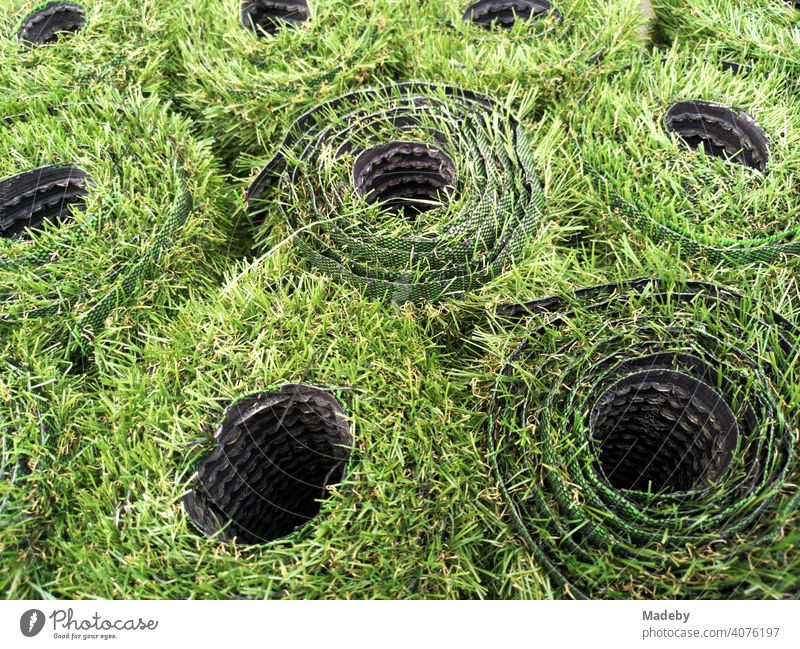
[99, 199]
[490, 14]
[728, 197]
[662, 431]
[411, 191]
[722, 131]
[265, 17]
[406, 177]
[44, 195]
[636, 424]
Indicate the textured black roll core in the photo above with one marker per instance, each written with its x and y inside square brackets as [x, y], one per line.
[405, 177]
[663, 431]
[48, 23]
[30, 199]
[276, 454]
[505, 13]
[267, 16]
[721, 130]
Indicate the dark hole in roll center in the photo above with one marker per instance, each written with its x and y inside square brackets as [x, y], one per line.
[505, 13]
[50, 22]
[33, 198]
[265, 17]
[664, 431]
[405, 177]
[276, 455]
[721, 131]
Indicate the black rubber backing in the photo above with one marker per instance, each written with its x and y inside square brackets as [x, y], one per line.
[276, 454]
[265, 17]
[662, 431]
[721, 130]
[505, 13]
[46, 194]
[50, 22]
[405, 177]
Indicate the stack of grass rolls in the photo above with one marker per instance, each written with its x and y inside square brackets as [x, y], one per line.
[644, 434]
[684, 148]
[81, 45]
[247, 68]
[767, 30]
[101, 200]
[111, 214]
[553, 49]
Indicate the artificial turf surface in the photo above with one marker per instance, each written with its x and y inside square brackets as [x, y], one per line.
[101, 440]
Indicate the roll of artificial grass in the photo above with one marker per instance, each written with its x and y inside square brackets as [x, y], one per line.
[645, 437]
[553, 49]
[684, 148]
[276, 455]
[410, 191]
[101, 202]
[247, 68]
[202, 401]
[55, 45]
[768, 30]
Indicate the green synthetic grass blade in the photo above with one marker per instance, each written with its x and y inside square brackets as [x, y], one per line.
[555, 54]
[41, 403]
[765, 30]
